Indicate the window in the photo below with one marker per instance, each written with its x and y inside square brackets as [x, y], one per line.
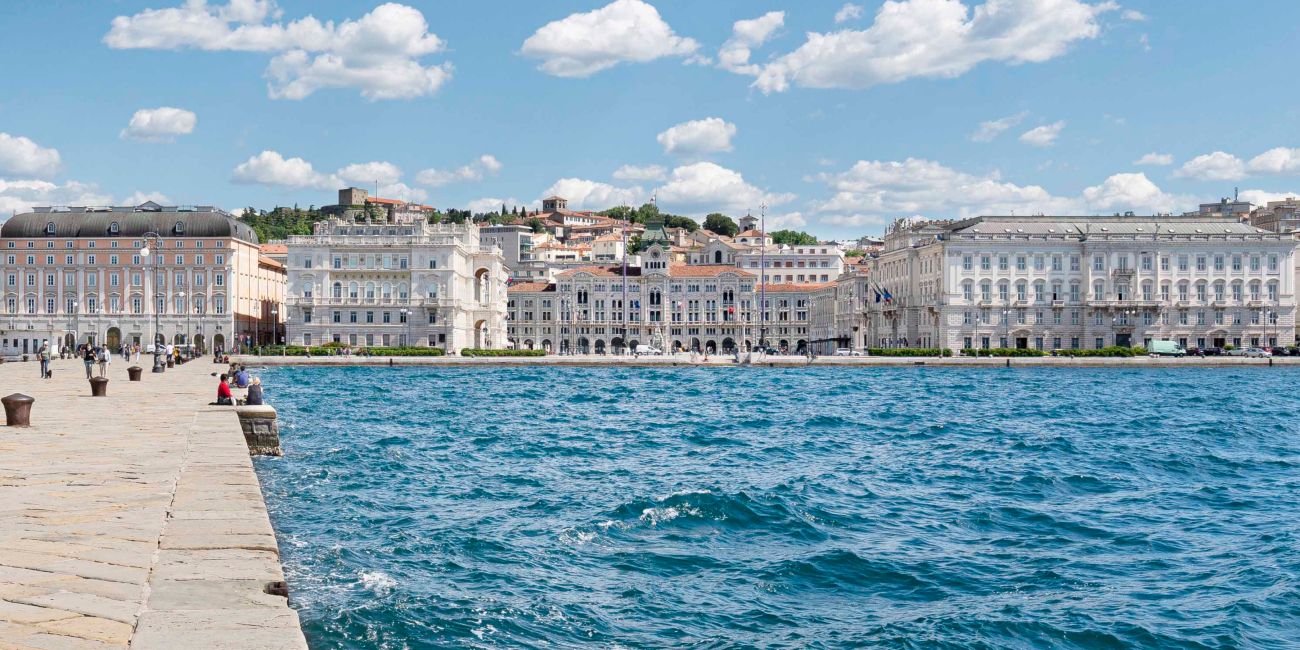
[1002, 262]
[1218, 262]
[1146, 262]
[1182, 262]
[966, 262]
[1098, 263]
[1020, 263]
[985, 262]
[1074, 262]
[49, 229]
[1200, 263]
[1056, 262]
[1272, 263]
[1236, 262]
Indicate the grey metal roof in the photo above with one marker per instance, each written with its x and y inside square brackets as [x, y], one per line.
[81, 223]
[1094, 225]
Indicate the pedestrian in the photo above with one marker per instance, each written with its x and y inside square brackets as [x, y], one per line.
[88, 357]
[104, 358]
[254, 397]
[224, 398]
[44, 355]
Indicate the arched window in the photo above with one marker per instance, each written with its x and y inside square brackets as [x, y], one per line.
[49, 228]
[402, 292]
[354, 290]
[338, 289]
[179, 228]
[114, 228]
[370, 290]
[717, 257]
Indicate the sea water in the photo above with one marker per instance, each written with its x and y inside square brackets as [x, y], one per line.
[757, 507]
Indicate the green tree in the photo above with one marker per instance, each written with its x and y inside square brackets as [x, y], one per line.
[536, 224]
[792, 238]
[721, 224]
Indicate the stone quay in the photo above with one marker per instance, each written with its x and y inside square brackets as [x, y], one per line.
[134, 520]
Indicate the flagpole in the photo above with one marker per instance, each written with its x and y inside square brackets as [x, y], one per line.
[762, 278]
[625, 286]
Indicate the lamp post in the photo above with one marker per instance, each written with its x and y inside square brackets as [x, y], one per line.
[185, 310]
[406, 320]
[275, 326]
[145, 252]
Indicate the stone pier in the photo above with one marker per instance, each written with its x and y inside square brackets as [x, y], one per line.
[134, 520]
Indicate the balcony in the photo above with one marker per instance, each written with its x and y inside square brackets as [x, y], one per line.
[1123, 273]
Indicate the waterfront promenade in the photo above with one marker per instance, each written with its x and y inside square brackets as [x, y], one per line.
[133, 520]
[779, 361]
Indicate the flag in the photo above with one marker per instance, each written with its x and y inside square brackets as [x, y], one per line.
[877, 292]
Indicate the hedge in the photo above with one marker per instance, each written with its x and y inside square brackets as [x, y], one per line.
[480, 352]
[332, 350]
[1108, 351]
[1002, 352]
[909, 352]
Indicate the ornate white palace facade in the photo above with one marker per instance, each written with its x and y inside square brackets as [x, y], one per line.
[661, 303]
[395, 283]
[1055, 282]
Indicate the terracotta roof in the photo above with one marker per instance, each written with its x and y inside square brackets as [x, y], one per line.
[751, 233]
[609, 238]
[266, 261]
[531, 286]
[849, 261]
[601, 271]
[274, 248]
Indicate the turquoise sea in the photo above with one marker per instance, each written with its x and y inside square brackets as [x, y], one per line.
[789, 508]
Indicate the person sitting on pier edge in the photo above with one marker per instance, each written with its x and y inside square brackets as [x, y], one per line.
[241, 377]
[254, 397]
[224, 398]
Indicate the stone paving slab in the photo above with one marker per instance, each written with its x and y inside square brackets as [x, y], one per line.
[133, 521]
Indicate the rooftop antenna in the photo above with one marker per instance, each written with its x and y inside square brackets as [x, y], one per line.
[1234, 195]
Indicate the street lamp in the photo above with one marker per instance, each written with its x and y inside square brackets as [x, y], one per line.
[406, 319]
[157, 240]
[275, 325]
[186, 311]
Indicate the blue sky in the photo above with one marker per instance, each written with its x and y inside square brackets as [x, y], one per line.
[840, 117]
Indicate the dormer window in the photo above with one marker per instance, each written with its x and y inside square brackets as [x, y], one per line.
[179, 228]
[49, 228]
[114, 228]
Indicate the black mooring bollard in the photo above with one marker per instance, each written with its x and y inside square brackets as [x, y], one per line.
[18, 410]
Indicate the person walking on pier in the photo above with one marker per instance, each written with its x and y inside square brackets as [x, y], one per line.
[88, 357]
[44, 355]
[104, 356]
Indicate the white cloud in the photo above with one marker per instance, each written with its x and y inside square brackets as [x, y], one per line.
[379, 53]
[479, 206]
[1155, 158]
[139, 197]
[698, 137]
[705, 187]
[746, 35]
[583, 44]
[484, 165]
[584, 194]
[271, 168]
[23, 195]
[21, 156]
[1125, 192]
[403, 192]
[935, 39]
[882, 189]
[1279, 160]
[366, 174]
[1217, 166]
[160, 124]
[642, 173]
[991, 129]
[848, 12]
[787, 221]
[1042, 136]
[1262, 197]
[1133, 15]
[854, 220]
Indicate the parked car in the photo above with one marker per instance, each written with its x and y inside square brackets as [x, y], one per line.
[1257, 353]
[648, 349]
[1235, 352]
[846, 352]
[1213, 352]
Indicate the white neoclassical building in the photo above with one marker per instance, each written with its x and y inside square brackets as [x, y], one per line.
[1056, 282]
[396, 284]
